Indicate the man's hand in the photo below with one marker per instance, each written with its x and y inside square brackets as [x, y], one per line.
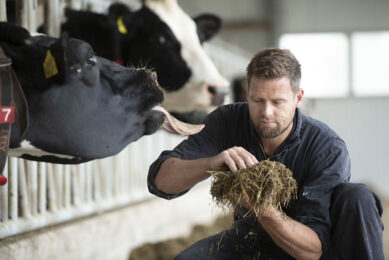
[176, 175]
[235, 158]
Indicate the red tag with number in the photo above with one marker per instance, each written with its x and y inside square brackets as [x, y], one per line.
[7, 115]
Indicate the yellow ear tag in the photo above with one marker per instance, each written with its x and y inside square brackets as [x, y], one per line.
[121, 27]
[49, 65]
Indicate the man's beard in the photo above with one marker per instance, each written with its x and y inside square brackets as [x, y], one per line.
[271, 132]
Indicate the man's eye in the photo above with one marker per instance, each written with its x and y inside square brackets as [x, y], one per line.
[161, 39]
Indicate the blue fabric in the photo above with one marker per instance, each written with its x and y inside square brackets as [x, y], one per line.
[356, 233]
[315, 154]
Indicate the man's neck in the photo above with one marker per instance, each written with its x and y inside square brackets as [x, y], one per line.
[271, 144]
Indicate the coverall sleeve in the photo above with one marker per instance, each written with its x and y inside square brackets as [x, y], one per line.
[207, 143]
[328, 169]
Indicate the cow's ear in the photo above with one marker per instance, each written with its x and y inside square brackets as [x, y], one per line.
[207, 26]
[54, 64]
[118, 9]
[123, 19]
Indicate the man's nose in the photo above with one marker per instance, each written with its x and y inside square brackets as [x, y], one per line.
[268, 110]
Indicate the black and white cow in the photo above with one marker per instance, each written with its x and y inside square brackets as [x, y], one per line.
[161, 36]
[81, 107]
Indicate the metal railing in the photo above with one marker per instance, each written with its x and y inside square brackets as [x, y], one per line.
[41, 194]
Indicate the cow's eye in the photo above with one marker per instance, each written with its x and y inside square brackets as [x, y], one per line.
[92, 61]
[162, 39]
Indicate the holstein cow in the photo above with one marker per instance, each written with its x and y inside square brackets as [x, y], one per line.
[160, 35]
[80, 107]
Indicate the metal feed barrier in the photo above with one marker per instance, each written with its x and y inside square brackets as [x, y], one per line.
[42, 194]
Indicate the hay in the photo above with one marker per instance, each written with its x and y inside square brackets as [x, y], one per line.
[264, 184]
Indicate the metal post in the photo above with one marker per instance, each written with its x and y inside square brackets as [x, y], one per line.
[13, 186]
[32, 184]
[42, 187]
[31, 15]
[67, 186]
[3, 11]
[89, 183]
[75, 185]
[23, 194]
[4, 197]
[52, 18]
[51, 191]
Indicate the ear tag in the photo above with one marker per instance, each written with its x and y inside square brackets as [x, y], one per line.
[49, 65]
[7, 115]
[121, 27]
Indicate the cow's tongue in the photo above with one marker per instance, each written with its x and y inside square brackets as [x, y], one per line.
[173, 125]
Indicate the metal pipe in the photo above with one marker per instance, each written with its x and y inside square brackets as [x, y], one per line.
[51, 194]
[3, 11]
[23, 194]
[96, 181]
[88, 188]
[31, 15]
[42, 187]
[13, 186]
[32, 184]
[4, 197]
[75, 185]
[52, 18]
[67, 186]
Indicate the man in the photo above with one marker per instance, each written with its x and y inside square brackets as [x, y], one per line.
[271, 126]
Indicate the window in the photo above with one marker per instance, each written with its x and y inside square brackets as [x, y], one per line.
[370, 52]
[324, 59]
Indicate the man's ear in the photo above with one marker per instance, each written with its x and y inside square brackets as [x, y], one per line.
[54, 64]
[207, 26]
[299, 97]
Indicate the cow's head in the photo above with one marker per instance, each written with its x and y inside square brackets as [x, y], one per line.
[160, 36]
[204, 83]
[81, 106]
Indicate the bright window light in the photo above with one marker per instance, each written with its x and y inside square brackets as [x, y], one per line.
[324, 62]
[370, 52]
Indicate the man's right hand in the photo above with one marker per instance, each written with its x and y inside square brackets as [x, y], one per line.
[235, 158]
[176, 175]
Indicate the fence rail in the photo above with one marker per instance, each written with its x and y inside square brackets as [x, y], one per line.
[41, 194]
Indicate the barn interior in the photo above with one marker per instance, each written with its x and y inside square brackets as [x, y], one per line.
[103, 210]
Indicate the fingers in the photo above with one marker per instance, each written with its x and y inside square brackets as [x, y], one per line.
[238, 158]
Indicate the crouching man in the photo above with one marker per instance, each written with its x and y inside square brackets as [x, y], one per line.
[330, 219]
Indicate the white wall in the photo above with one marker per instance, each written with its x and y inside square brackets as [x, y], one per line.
[364, 125]
[244, 21]
[333, 15]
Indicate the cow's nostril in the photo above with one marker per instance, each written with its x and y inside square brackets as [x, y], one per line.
[212, 90]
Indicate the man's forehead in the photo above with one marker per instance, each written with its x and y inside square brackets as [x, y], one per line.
[276, 85]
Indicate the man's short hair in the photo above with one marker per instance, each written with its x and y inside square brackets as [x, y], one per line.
[275, 63]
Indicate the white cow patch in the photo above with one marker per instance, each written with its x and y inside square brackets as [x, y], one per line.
[27, 148]
[194, 94]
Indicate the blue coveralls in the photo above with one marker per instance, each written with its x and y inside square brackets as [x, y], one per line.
[345, 216]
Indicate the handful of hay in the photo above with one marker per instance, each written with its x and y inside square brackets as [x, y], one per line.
[264, 184]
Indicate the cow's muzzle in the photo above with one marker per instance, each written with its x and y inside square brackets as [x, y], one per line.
[218, 94]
